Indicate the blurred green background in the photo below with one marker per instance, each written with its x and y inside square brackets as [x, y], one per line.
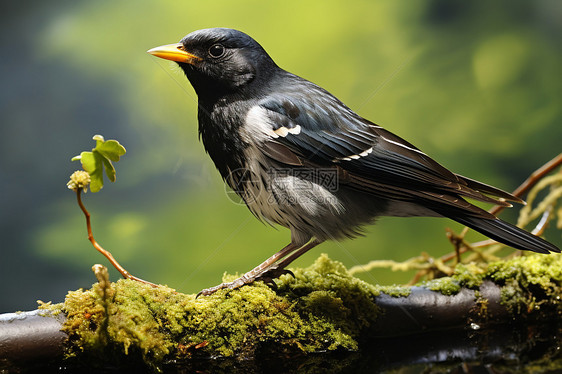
[477, 85]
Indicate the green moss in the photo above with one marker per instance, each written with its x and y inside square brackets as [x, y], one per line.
[446, 285]
[529, 282]
[396, 290]
[470, 275]
[55, 309]
[465, 275]
[322, 308]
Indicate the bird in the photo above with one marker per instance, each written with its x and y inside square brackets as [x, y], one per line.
[300, 158]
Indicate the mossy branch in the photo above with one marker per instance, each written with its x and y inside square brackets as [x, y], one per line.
[323, 308]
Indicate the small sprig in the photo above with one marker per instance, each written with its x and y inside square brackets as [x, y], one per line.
[100, 158]
[94, 162]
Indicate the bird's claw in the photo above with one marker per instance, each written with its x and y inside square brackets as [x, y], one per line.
[230, 285]
[267, 277]
[287, 271]
[275, 272]
[269, 282]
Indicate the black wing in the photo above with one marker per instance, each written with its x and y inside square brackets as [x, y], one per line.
[330, 134]
[326, 133]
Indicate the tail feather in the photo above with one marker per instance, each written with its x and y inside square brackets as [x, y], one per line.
[506, 233]
[491, 190]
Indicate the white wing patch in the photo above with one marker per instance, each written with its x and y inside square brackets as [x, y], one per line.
[403, 146]
[258, 127]
[368, 151]
[284, 131]
[356, 157]
[396, 143]
[295, 130]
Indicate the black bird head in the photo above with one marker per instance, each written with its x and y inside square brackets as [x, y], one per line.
[219, 61]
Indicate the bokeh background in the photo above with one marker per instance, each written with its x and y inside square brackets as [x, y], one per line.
[477, 85]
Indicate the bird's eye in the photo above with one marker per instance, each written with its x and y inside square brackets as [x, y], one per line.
[216, 50]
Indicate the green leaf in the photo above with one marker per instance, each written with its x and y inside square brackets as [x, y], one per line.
[109, 169]
[111, 149]
[99, 158]
[93, 165]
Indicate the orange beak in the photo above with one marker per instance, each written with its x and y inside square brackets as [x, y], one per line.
[174, 52]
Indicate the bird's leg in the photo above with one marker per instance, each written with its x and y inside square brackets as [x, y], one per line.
[296, 254]
[250, 276]
[267, 270]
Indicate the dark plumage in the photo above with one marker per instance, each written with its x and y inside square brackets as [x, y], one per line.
[301, 158]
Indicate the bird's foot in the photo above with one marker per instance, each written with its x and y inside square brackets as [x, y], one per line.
[266, 276]
[231, 285]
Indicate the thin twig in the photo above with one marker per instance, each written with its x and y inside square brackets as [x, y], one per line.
[533, 179]
[541, 226]
[99, 248]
